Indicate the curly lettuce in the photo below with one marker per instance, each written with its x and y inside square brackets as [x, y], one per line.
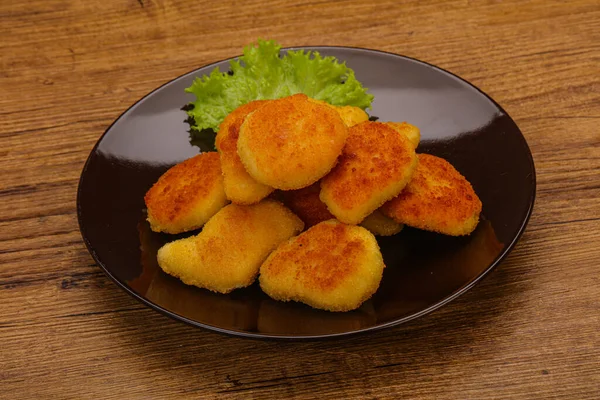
[263, 73]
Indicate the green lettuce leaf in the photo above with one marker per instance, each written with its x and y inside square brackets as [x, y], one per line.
[261, 73]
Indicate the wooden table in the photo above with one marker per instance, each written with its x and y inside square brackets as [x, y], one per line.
[69, 68]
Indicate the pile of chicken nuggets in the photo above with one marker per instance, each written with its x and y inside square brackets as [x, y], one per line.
[295, 196]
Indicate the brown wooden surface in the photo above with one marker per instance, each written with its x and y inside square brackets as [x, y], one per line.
[69, 68]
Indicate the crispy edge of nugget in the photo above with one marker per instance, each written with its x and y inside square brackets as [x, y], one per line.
[375, 165]
[240, 187]
[380, 224]
[331, 266]
[229, 251]
[306, 204]
[351, 115]
[290, 143]
[187, 195]
[437, 199]
[410, 131]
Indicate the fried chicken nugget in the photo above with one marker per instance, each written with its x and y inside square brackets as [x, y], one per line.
[307, 205]
[438, 199]
[240, 187]
[187, 195]
[228, 252]
[332, 266]
[410, 131]
[350, 115]
[376, 164]
[381, 225]
[291, 143]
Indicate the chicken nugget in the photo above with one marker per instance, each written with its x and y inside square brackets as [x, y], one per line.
[410, 131]
[290, 143]
[187, 195]
[381, 225]
[240, 187]
[307, 205]
[332, 266]
[228, 252]
[350, 115]
[438, 199]
[375, 165]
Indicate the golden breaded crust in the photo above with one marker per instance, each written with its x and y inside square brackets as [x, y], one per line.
[374, 167]
[380, 225]
[332, 266]
[231, 247]
[410, 131]
[187, 195]
[240, 187]
[290, 143]
[438, 199]
[307, 205]
[350, 115]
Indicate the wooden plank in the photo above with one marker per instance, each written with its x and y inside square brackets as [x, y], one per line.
[68, 68]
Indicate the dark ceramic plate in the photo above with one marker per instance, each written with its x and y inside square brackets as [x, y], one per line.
[424, 270]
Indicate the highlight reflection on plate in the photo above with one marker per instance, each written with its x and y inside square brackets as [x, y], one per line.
[424, 270]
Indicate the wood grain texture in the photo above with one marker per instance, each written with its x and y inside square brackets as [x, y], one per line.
[68, 68]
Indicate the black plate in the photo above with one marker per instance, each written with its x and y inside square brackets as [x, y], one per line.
[424, 270]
